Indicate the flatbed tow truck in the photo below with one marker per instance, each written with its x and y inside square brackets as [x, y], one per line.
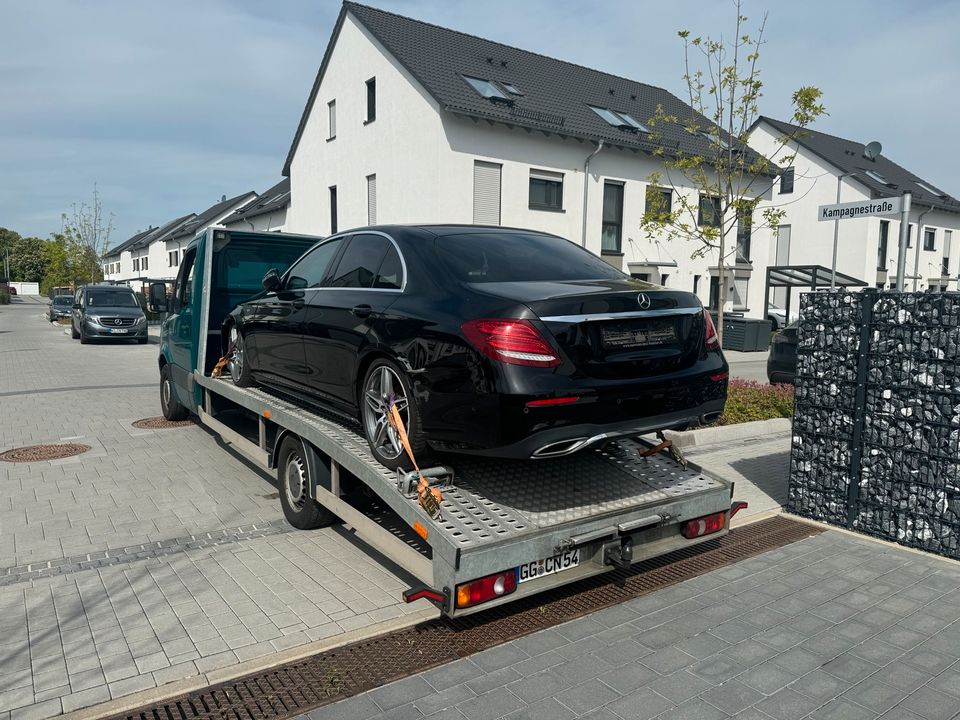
[502, 530]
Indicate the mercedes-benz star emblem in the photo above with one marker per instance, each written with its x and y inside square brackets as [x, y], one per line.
[118, 321]
[644, 301]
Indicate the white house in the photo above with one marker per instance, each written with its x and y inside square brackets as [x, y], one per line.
[267, 212]
[408, 122]
[868, 246]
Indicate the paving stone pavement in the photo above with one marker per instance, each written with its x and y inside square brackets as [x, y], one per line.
[156, 556]
[834, 626]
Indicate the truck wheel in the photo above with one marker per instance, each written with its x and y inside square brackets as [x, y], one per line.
[73, 331]
[293, 476]
[239, 368]
[169, 405]
[386, 382]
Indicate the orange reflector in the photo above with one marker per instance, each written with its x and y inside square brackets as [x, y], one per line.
[420, 529]
[266, 414]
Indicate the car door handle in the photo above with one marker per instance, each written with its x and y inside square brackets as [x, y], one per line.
[362, 311]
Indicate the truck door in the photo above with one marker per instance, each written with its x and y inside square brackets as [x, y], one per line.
[179, 327]
[365, 281]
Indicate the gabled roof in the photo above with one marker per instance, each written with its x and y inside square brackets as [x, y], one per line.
[276, 198]
[208, 216]
[128, 243]
[164, 232]
[847, 156]
[556, 95]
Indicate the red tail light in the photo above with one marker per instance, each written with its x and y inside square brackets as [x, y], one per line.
[712, 341]
[706, 525]
[486, 588]
[515, 342]
[547, 402]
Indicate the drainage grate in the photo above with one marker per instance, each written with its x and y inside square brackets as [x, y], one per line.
[38, 453]
[160, 423]
[324, 678]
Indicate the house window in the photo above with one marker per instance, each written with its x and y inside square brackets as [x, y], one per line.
[744, 231]
[144, 263]
[696, 284]
[331, 119]
[882, 250]
[333, 209]
[486, 193]
[136, 264]
[486, 88]
[947, 242]
[371, 199]
[546, 190]
[371, 100]
[930, 239]
[740, 287]
[709, 212]
[611, 231]
[173, 258]
[714, 293]
[786, 182]
[659, 202]
[664, 277]
[909, 236]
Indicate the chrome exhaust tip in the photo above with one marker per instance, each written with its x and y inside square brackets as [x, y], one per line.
[560, 448]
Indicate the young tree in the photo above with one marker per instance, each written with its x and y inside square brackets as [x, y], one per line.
[723, 84]
[88, 226]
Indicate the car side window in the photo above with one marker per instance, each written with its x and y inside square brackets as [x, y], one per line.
[312, 267]
[390, 274]
[359, 262]
[184, 287]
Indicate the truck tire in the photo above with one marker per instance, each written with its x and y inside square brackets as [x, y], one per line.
[73, 331]
[384, 381]
[239, 367]
[293, 478]
[169, 405]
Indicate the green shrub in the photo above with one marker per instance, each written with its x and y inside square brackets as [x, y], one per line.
[4, 298]
[748, 401]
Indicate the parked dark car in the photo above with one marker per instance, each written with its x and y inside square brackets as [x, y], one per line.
[500, 342]
[107, 311]
[782, 361]
[60, 307]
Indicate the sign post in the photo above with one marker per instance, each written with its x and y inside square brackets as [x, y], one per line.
[845, 211]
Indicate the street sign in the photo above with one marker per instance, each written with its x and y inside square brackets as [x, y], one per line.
[862, 208]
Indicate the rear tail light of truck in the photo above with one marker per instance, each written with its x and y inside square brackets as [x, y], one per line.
[706, 525]
[515, 342]
[486, 588]
[711, 339]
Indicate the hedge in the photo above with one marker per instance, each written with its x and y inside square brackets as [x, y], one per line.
[748, 400]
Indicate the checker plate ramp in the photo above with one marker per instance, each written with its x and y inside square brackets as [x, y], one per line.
[499, 499]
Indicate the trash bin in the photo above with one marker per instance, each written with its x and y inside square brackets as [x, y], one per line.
[744, 334]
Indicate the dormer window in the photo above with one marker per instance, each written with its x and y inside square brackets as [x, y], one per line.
[929, 188]
[876, 177]
[486, 89]
[511, 88]
[618, 119]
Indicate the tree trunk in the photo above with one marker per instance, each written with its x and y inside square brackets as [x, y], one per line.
[722, 294]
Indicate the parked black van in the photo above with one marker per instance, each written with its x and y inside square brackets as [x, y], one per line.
[107, 311]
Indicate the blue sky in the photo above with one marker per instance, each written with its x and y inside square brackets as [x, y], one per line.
[168, 105]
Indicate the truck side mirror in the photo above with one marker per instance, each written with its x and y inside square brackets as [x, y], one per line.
[271, 281]
[157, 299]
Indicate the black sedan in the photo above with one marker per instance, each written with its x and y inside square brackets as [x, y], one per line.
[782, 361]
[60, 307]
[490, 341]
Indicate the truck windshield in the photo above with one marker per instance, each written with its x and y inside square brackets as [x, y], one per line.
[107, 298]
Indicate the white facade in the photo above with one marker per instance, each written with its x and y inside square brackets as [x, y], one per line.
[425, 161]
[858, 246]
[274, 221]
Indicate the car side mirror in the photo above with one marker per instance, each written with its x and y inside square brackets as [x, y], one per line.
[157, 299]
[271, 281]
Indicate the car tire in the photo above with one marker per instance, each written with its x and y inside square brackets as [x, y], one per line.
[384, 379]
[774, 325]
[73, 331]
[239, 367]
[169, 405]
[294, 481]
[142, 341]
[84, 340]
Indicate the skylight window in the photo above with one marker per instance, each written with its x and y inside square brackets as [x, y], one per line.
[511, 88]
[876, 177]
[929, 188]
[717, 139]
[618, 119]
[486, 88]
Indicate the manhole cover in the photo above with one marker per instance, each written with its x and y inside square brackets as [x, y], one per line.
[160, 423]
[36, 453]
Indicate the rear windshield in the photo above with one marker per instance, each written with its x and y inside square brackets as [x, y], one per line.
[107, 298]
[519, 257]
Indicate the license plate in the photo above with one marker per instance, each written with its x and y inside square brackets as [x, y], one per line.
[549, 565]
[650, 333]
[118, 331]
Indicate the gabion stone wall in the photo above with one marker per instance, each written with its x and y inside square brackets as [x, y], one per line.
[876, 430]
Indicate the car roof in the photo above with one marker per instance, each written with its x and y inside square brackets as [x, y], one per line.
[441, 229]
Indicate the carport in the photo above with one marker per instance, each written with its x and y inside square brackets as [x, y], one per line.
[813, 277]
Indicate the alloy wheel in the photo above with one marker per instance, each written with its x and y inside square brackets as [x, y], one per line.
[382, 389]
[236, 359]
